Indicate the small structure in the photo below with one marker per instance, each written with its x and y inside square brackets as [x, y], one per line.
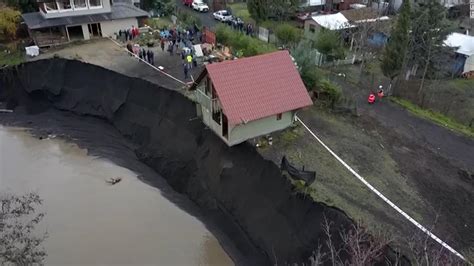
[464, 45]
[249, 97]
[331, 22]
[61, 21]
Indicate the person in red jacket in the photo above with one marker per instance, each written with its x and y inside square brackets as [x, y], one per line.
[371, 99]
[380, 94]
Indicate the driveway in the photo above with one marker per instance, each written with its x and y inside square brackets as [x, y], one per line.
[206, 18]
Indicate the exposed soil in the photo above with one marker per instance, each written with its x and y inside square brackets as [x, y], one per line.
[245, 195]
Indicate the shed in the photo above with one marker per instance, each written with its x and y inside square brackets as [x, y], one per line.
[331, 22]
[464, 45]
[249, 97]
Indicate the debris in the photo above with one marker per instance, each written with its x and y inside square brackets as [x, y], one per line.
[6, 111]
[113, 180]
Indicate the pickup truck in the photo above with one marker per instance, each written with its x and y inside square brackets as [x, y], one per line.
[222, 15]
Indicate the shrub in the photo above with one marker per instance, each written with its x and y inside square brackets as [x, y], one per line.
[329, 43]
[329, 92]
[240, 43]
[288, 34]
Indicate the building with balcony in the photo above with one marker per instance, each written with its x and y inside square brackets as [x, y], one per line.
[62, 21]
[250, 97]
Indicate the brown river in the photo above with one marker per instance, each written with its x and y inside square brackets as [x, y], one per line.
[89, 222]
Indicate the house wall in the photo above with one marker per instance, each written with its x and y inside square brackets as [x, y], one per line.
[113, 26]
[85, 32]
[469, 64]
[310, 24]
[106, 8]
[252, 129]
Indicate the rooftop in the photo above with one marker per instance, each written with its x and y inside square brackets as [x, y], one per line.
[463, 42]
[333, 21]
[256, 87]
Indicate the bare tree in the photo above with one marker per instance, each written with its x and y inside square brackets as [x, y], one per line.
[19, 244]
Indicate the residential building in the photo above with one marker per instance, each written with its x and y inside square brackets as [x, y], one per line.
[464, 45]
[335, 21]
[61, 21]
[249, 97]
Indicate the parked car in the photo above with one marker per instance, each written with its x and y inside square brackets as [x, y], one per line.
[200, 6]
[222, 15]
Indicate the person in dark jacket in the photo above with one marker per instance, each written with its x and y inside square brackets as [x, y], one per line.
[151, 57]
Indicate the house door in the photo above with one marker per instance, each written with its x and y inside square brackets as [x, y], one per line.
[225, 127]
[95, 30]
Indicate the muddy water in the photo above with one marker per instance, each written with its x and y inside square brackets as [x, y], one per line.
[90, 222]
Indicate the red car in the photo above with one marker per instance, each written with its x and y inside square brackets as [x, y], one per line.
[187, 2]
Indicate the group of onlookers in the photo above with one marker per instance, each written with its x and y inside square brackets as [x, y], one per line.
[129, 34]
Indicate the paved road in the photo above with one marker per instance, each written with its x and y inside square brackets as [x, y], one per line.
[206, 18]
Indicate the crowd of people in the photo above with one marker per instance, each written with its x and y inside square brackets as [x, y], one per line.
[129, 34]
[177, 41]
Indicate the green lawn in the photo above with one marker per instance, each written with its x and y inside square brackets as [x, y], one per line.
[240, 10]
[12, 58]
[436, 117]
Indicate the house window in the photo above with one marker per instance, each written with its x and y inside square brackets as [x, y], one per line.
[312, 28]
[50, 6]
[95, 3]
[78, 4]
[64, 5]
[279, 116]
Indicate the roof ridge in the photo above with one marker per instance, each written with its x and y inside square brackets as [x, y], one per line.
[244, 59]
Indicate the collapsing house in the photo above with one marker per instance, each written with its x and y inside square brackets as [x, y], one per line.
[249, 97]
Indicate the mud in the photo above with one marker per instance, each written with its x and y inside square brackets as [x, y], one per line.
[239, 192]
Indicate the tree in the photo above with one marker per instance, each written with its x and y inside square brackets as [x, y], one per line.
[9, 19]
[287, 34]
[24, 6]
[18, 243]
[396, 49]
[329, 43]
[163, 7]
[428, 33]
[261, 10]
[258, 9]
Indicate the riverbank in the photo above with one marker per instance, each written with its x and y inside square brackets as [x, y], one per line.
[90, 222]
[236, 188]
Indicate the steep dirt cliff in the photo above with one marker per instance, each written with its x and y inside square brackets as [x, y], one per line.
[237, 182]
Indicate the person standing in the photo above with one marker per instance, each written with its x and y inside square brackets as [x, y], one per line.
[185, 71]
[129, 48]
[162, 44]
[371, 99]
[150, 56]
[189, 60]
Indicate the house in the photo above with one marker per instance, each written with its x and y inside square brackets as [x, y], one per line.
[335, 21]
[249, 97]
[327, 5]
[370, 24]
[464, 45]
[61, 21]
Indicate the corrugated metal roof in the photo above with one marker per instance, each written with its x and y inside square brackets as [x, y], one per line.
[256, 87]
[118, 11]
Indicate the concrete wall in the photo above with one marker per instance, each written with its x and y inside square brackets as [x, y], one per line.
[469, 64]
[79, 12]
[252, 129]
[310, 23]
[113, 26]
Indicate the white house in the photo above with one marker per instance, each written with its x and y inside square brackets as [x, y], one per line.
[464, 45]
[61, 21]
[249, 97]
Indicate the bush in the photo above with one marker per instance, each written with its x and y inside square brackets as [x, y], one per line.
[288, 34]
[329, 92]
[329, 43]
[189, 20]
[241, 43]
[311, 77]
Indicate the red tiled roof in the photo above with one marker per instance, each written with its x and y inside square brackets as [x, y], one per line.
[256, 87]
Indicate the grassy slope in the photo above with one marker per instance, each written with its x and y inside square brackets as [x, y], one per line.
[436, 117]
[11, 59]
[336, 186]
